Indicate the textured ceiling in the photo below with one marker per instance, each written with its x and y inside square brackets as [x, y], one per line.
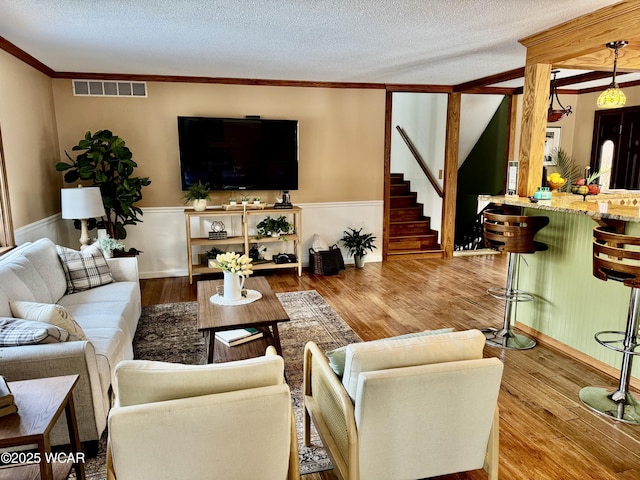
[383, 41]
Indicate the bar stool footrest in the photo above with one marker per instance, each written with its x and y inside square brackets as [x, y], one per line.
[619, 338]
[513, 296]
[600, 400]
[507, 338]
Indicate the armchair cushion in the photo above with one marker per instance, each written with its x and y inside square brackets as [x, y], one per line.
[142, 381]
[338, 356]
[372, 356]
[240, 434]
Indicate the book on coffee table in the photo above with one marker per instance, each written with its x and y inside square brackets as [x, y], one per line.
[232, 338]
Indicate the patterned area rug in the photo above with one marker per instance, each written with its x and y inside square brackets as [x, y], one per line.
[168, 333]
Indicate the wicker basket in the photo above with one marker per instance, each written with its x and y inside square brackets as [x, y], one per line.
[326, 262]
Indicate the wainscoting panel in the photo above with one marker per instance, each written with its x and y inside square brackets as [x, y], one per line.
[570, 304]
[162, 234]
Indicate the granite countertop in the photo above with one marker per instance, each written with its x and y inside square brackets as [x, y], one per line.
[624, 207]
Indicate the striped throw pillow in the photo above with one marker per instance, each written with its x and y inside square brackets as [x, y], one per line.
[84, 269]
[15, 332]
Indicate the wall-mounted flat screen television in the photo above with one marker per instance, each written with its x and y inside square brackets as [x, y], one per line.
[239, 153]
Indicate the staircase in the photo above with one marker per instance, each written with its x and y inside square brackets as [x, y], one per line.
[410, 233]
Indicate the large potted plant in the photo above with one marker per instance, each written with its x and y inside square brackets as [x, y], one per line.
[107, 163]
[357, 244]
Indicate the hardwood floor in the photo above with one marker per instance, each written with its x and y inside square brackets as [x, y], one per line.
[545, 432]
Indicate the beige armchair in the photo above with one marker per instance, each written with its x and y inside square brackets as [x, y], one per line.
[222, 421]
[406, 409]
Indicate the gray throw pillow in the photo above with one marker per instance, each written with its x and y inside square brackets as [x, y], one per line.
[84, 269]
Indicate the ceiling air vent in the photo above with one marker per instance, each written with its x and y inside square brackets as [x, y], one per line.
[109, 88]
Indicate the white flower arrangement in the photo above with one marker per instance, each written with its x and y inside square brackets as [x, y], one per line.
[235, 263]
[108, 244]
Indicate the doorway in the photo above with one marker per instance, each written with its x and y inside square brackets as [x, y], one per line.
[616, 148]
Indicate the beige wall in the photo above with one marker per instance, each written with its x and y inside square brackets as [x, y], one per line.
[29, 137]
[583, 136]
[341, 133]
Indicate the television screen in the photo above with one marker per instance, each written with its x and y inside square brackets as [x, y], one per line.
[239, 153]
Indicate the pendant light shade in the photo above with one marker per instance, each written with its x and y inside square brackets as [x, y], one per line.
[613, 97]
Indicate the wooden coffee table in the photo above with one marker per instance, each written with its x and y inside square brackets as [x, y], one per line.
[264, 314]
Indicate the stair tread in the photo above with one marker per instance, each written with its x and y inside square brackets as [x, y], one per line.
[417, 235]
[436, 248]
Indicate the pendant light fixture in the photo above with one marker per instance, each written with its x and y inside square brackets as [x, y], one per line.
[554, 114]
[613, 97]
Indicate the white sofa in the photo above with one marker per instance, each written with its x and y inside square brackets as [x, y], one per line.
[108, 315]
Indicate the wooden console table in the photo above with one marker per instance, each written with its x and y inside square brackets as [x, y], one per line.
[40, 403]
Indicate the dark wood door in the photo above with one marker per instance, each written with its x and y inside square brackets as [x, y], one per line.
[621, 127]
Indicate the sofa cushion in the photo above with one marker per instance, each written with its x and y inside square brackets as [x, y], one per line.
[338, 356]
[116, 305]
[372, 356]
[84, 269]
[47, 313]
[15, 331]
[43, 256]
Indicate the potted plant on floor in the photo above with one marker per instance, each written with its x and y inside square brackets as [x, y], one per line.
[198, 195]
[107, 163]
[357, 244]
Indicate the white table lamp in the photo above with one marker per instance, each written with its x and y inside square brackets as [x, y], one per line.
[80, 204]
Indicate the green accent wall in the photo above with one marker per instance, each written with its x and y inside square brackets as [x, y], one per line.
[483, 171]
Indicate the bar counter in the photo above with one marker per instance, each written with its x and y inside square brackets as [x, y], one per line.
[570, 304]
[619, 207]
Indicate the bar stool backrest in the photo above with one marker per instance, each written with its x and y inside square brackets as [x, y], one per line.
[512, 233]
[616, 257]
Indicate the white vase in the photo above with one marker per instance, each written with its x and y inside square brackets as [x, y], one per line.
[233, 284]
[107, 253]
[200, 205]
[359, 259]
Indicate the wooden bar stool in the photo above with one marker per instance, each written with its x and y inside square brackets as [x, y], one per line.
[617, 257]
[513, 234]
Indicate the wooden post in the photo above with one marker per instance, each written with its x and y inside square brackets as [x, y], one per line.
[450, 184]
[534, 123]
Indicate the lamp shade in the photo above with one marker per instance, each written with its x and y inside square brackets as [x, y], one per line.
[612, 97]
[81, 202]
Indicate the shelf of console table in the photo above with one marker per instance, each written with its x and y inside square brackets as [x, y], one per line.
[244, 240]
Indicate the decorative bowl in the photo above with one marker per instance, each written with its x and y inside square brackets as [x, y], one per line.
[556, 185]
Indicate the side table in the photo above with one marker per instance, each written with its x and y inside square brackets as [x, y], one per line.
[40, 403]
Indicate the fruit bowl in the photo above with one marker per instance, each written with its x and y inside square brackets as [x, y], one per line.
[555, 185]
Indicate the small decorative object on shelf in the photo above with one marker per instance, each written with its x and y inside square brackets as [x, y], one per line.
[218, 231]
[256, 200]
[198, 195]
[286, 201]
[273, 227]
[245, 200]
[233, 201]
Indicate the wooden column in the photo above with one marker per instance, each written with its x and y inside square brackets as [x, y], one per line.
[534, 123]
[450, 184]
